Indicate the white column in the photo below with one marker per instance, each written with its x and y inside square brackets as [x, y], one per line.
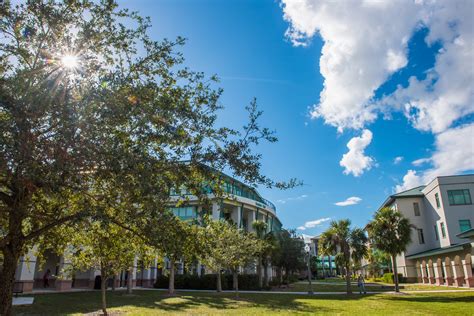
[25, 271]
[216, 211]
[237, 216]
[252, 219]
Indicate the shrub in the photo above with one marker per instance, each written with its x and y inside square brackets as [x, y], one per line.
[208, 282]
[389, 278]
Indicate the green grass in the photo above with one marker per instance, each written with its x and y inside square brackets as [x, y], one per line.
[340, 286]
[158, 303]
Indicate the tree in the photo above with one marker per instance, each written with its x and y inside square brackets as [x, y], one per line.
[389, 231]
[288, 255]
[227, 247]
[377, 259]
[348, 244]
[260, 228]
[86, 93]
[105, 247]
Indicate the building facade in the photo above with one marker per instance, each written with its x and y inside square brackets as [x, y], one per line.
[442, 247]
[241, 205]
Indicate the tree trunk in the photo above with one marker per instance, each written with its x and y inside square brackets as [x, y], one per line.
[130, 281]
[395, 272]
[287, 275]
[235, 276]
[171, 279]
[113, 282]
[348, 280]
[103, 289]
[219, 281]
[11, 254]
[259, 272]
[265, 274]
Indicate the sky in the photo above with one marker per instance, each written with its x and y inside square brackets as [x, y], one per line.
[367, 98]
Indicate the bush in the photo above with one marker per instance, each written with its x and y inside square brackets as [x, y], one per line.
[389, 278]
[208, 282]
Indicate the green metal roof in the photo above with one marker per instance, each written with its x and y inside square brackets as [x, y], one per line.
[438, 251]
[411, 193]
[466, 234]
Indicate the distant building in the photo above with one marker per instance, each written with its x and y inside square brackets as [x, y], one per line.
[442, 248]
[241, 205]
[326, 265]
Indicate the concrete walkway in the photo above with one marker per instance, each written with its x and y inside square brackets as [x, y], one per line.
[23, 300]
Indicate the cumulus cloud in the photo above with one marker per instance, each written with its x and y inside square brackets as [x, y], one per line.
[353, 200]
[397, 160]
[454, 155]
[312, 224]
[364, 43]
[355, 161]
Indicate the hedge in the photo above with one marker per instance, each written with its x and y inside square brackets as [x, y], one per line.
[389, 278]
[208, 282]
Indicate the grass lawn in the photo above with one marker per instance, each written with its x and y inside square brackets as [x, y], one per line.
[340, 286]
[158, 303]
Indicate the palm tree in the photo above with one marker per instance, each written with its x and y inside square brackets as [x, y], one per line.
[348, 244]
[389, 232]
[260, 228]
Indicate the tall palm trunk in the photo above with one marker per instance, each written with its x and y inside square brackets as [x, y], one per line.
[171, 279]
[348, 280]
[395, 272]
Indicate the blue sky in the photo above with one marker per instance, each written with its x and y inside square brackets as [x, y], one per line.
[331, 78]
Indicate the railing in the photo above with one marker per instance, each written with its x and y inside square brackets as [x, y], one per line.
[270, 204]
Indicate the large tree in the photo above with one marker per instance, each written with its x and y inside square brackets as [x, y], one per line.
[85, 93]
[390, 232]
[348, 244]
[288, 253]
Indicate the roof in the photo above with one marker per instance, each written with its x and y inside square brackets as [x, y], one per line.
[414, 192]
[410, 193]
[467, 234]
[438, 251]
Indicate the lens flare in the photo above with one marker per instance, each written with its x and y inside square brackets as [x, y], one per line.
[69, 61]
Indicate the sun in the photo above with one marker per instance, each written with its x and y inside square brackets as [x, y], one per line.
[70, 61]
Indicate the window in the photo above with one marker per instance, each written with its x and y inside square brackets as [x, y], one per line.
[416, 207]
[421, 238]
[438, 204]
[443, 230]
[436, 232]
[464, 225]
[459, 197]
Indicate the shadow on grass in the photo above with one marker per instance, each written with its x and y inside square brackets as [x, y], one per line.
[432, 298]
[86, 302]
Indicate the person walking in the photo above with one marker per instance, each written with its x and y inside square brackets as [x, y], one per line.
[361, 284]
[46, 278]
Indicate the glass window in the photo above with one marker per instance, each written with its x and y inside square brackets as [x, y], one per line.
[421, 238]
[416, 207]
[436, 232]
[443, 230]
[438, 204]
[464, 225]
[459, 197]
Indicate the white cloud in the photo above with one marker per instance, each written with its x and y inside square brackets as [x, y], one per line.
[420, 161]
[397, 160]
[355, 161]
[364, 43]
[312, 224]
[349, 201]
[297, 198]
[454, 155]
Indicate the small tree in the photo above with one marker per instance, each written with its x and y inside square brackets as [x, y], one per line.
[105, 247]
[348, 244]
[390, 231]
[260, 228]
[288, 255]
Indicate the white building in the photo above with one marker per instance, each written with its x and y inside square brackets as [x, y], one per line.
[442, 248]
[241, 205]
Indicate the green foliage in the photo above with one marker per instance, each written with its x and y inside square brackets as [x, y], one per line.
[390, 278]
[348, 245]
